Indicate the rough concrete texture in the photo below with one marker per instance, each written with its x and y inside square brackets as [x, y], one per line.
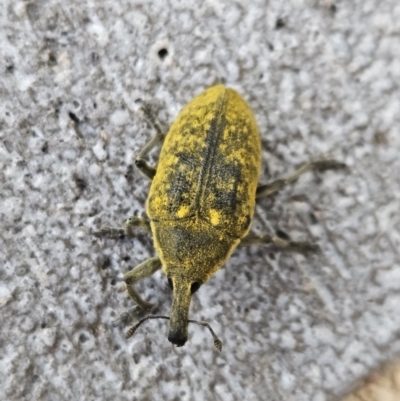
[323, 80]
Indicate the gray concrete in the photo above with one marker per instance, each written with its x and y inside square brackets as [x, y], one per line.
[323, 80]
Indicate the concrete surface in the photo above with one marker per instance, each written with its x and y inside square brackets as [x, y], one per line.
[323, 80]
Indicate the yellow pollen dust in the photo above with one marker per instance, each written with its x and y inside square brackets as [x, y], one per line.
[214, 217]
[182, 211]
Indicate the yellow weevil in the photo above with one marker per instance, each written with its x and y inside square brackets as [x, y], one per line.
[201, 200]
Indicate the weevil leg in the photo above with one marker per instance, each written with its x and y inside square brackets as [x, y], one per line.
[145, 269]
[157, 139]
[135, 221]
[117, 233]
[109, 232]
[318, 165]
[295, 246]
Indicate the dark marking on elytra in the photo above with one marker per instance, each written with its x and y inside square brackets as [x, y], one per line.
[180, 192]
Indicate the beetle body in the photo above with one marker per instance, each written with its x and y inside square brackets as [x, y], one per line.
[202, 198]
[201, 201]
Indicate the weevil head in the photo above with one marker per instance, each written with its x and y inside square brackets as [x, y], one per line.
[183, 287]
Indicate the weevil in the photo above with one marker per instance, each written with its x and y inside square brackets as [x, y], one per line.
[202, 198]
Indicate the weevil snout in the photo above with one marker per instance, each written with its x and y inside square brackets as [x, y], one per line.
[182, 288]
[178, 338]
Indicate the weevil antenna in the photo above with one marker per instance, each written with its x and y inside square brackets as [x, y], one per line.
[133, 329]
[217, 341]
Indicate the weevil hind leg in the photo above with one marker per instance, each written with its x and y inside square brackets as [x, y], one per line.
[128, 230]
[294, 246]
[157, 139]
[317, 165]
[145, 269]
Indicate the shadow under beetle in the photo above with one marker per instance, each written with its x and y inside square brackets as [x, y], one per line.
[201, 200]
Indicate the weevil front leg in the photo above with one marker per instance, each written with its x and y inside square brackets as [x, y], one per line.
[295, 246]
[145, 269]
[130, 224]
[157, 139]
[318, 165]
